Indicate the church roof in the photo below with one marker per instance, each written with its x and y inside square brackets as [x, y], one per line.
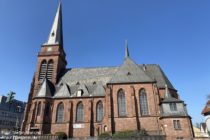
[130, 72]
[168, 98]
[63, 91]
[46, 89]
[155, 72]
[103, 75]
[56, 35]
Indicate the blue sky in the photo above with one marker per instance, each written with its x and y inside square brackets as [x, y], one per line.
[173, 34]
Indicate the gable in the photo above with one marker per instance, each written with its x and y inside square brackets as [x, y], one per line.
[130, 72]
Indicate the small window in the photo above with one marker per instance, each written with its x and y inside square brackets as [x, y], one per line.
[177, 125]
[52, 34]
[179, 138]
[79, 93]
[173, 106]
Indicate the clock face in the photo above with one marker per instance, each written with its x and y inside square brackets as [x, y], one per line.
[49, 49]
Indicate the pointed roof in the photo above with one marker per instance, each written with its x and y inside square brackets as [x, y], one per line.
[45, 89]
[168, 98]
[126, 49]
[129, 72]
[63, 92]
[56, 33]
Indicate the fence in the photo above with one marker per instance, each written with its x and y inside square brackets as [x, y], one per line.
[132, 138]
[30, 137]
[52, 137]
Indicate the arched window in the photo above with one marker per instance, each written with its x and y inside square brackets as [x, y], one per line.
[39, 109]
[42, 70]
[60, 113]
[47, 109]
[80, 112]
[121, 103]
[143, 102]
[50, 70]
[100, 112]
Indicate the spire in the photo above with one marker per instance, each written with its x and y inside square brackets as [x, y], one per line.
[126, 49]
[167, 93]
[56, 33]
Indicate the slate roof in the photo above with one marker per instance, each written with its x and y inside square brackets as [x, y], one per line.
[46, 89]
[155, 72]
[102, 75]
[93, 80]
[56, 33]
[168, 98]
[63, 91]
[130, 72]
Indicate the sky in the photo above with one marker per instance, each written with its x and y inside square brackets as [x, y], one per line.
[173, 34]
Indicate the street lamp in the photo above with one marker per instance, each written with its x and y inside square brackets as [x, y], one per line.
[17, 119]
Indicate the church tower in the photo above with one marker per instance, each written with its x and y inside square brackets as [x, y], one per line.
[51, 64]
[51, 58]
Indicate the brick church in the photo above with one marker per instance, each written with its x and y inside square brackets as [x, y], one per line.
[85, 102]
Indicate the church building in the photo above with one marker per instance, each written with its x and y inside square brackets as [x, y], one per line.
[84, 102]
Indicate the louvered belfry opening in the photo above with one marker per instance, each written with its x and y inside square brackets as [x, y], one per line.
[50, 70]
[43, 69]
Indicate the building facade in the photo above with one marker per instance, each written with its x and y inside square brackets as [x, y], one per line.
[85, 102]
[11, 114]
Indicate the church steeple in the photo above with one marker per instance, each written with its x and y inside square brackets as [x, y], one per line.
[56, 33]
[126, 49]
[52, 57]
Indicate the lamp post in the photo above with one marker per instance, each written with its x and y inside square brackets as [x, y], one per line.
[17, 125]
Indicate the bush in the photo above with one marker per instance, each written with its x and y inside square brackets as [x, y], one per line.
[142, 132]
[129, 134]
[61, 135]
[104, 135]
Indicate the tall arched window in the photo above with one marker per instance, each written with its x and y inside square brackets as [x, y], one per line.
[50, 70]
[100, 112]
[80, 112]
[42, 70]
[47, 109]
[143, 102]
[121, 103]
[39, 109]
[60, 113]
